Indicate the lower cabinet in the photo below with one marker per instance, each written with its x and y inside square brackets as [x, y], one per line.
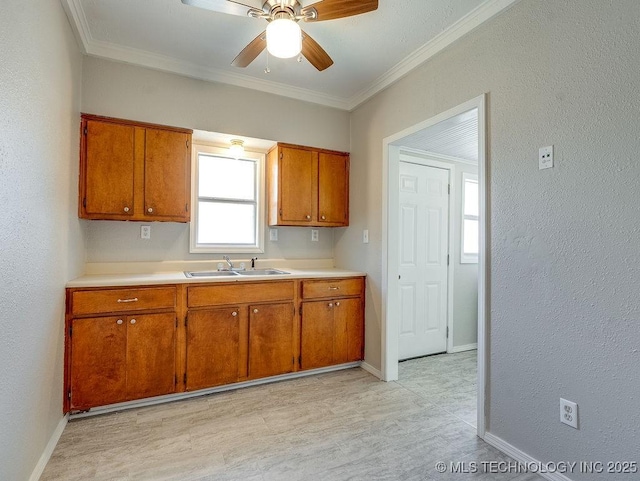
[216, 347]
[121, 358]
[127, 343]
[331, 332]
[271, 339]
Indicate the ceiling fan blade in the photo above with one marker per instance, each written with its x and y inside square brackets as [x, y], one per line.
[314, 53]
[232, 7]
[332, 9]
[251, 51]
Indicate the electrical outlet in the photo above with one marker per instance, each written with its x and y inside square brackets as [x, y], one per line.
[145, 232]
[545, 157]
[314, 235]
[273, 235]
[365, 236]
[569, 413]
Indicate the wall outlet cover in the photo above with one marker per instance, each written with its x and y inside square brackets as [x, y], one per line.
[145, 232]
[273, 235]
[569, 413]
[545, 157]
[314, 235]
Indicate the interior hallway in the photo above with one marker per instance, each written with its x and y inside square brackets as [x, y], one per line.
[336, 426]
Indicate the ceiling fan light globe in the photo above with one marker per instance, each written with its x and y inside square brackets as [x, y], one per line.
[284, 38]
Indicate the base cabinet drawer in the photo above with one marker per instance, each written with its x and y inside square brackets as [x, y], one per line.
[98, 301]
[330, 288]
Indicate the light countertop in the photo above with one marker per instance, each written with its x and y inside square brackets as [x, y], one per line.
[178, 277]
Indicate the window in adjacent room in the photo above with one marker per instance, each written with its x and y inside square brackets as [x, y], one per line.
[228, 212]
[470, 222]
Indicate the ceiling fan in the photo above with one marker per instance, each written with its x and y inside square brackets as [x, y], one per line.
[283, 37]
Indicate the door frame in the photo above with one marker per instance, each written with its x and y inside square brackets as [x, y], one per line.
[420, 158]
[390, 199]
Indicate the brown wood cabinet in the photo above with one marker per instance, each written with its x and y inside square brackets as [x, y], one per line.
[332, 329]
[120, 358]
[134, 171]
[134, 342]
[307, 186]
[120, 345]
[216, 347]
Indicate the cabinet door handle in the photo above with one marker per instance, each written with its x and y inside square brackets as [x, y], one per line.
[323, 217]
[330, 304]
[150, 210]
[133, 321]
[234, 313]
[308, 217]
[133, 299]
[119, 321]
[126, 209]
[337, 304]
[255, 311]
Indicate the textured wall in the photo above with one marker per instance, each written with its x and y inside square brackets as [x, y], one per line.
[564, 242]
[40, 236]
[118, 90]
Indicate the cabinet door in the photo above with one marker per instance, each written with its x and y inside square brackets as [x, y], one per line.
[333, 190]
[270, 339]
[166, 175]
[348, 318]
[107, 166]
[297, 184]
[151, 355]
[216, 347]
[317, 335]
[98, 361]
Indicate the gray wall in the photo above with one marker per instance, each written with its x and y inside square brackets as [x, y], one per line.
[563, 277]
[41, 238]
[125, 91]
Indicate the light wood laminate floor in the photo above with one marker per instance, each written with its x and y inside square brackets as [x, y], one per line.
[345, 425]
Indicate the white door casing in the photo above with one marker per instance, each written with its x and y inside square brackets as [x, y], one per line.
[423, 267]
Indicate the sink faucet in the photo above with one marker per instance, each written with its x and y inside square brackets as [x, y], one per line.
[253, 262]
[226, 258]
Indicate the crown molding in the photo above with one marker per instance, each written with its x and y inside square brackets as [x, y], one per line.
[463, 26]
[188, 69]
[92, 47]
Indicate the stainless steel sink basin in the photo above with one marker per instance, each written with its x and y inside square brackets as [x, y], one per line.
[262, 272]
[210, 273]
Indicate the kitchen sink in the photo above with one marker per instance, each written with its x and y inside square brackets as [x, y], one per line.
[262, 272]
[210, 273]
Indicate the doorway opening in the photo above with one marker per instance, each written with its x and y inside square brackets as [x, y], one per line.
[422, 150]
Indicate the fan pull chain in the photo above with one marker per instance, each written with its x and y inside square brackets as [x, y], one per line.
[267, 70]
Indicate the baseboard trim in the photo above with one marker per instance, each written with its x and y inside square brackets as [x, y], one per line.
[370, 369]
[48, 450]
[521, 456]
[465, 347]
[204, 392]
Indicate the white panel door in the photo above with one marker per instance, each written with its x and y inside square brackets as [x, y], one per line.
[424, 240]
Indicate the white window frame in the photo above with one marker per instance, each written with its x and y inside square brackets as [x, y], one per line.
[467, 258]
[258, 247]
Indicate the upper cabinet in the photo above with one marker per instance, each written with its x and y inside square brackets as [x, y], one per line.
[134, 171]
[307, 186]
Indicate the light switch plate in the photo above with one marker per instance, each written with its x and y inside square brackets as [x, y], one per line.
[365, 236]
[545, 157]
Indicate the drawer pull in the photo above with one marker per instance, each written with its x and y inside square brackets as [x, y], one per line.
[133, 299]
[334, 288]
[234, 313]
[133, 321]
[119, 321]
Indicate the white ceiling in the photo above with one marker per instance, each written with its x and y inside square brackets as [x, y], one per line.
[370, 51]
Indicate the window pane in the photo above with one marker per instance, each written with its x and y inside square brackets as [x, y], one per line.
[470, 197]
[471, 240]
[226, 178]
[222, 223]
